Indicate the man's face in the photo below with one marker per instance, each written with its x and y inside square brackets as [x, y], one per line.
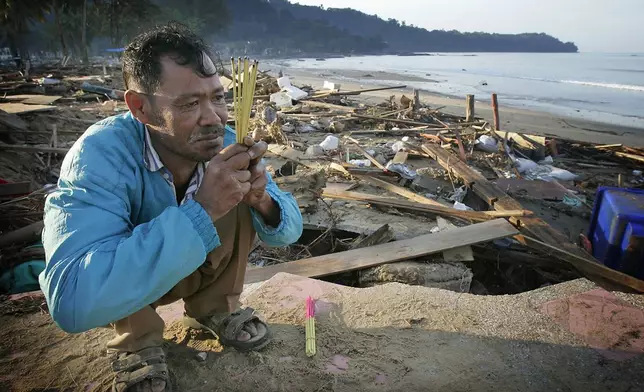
[189, 112]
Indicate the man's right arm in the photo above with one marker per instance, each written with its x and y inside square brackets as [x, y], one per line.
[100, 267]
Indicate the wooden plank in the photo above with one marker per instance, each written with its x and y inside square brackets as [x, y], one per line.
[630, 156]
[400, 191]
[53, 150]
[365, 153]
[462, 253]
[352, 260]
[32, 99]
[19, 108]
[294, 155]
[432, 209]
[469, 108]
[500, 201]
[15, 188]
[495, 109]
[587, 266]
[453, 164]
[401, 157]
[395, 120]
[13, 121]
[539, 189]
[26, 234]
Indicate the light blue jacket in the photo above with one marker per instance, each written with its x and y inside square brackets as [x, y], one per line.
[115, 239]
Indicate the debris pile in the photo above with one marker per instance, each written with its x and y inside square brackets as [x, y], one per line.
[468, 207]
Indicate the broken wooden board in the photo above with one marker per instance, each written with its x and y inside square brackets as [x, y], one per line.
[294, 155]
[387, 253]
[306, 187]
[19, 108]
[365, 220]
[401, 157]
[530, 142]
[13, 121]
[476, 216]
[587, 266]
[463, 253]
[15, 189]
[530, 225]
[538, 189]
[32, 99]
[400, 191]
[46, 149]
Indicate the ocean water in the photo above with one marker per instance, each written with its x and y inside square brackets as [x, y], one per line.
[607, 88]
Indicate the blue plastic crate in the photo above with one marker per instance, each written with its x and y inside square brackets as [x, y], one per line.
[617, 229]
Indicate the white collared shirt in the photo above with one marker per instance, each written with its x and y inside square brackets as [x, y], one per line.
[154, 164]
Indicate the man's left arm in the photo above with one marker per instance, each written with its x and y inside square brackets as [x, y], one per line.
[277, 218]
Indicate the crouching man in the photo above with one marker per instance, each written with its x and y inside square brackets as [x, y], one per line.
[157, 205]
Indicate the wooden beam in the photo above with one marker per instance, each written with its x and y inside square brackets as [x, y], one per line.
[500, 201]
[352, 260]
[630, 156]
[365, 153]
[29, 233]
[15, 188]
[395, 120]
[495, 108]
[400, 191]
[46, 149]
[469, 108]
[432, 209]
[586, 266]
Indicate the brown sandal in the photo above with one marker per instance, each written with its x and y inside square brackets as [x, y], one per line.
[146, 364]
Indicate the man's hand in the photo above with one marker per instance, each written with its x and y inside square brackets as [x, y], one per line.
[258, 198]
[226, 181]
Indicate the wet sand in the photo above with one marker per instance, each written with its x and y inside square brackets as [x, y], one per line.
[512, 119]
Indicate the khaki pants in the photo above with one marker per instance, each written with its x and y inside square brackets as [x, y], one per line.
[213, 288]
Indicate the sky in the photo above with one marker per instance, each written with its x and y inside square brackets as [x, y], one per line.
[614, 26]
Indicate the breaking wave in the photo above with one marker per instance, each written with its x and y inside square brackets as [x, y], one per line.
[607, 85]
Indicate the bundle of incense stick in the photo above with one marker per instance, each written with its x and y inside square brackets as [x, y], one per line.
[244, 79]
[310, 327]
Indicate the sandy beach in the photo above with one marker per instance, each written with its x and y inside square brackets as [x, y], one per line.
[512, 119]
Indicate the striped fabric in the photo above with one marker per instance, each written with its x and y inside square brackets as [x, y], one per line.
[154, 164]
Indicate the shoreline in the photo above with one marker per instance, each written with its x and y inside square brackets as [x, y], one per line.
[512, 118]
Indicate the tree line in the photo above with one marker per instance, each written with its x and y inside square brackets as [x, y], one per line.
[273, 28]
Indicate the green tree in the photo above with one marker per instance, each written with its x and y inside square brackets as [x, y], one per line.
[16, 17]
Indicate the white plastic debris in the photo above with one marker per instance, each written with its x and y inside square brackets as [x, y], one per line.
[547, 160]
[487, 143]
[549, 173]
[561, 174]
[330, 143]
[461, 206]
[360, 162]
[331, 86]
[401, 169]
[284, 81]
[295, 93]
[282, 100]
[405, 139]
[637, 173]
[524, 165]
[398, 146]
[371, 152]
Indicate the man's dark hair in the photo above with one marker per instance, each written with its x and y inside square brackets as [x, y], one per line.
[142, 57]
